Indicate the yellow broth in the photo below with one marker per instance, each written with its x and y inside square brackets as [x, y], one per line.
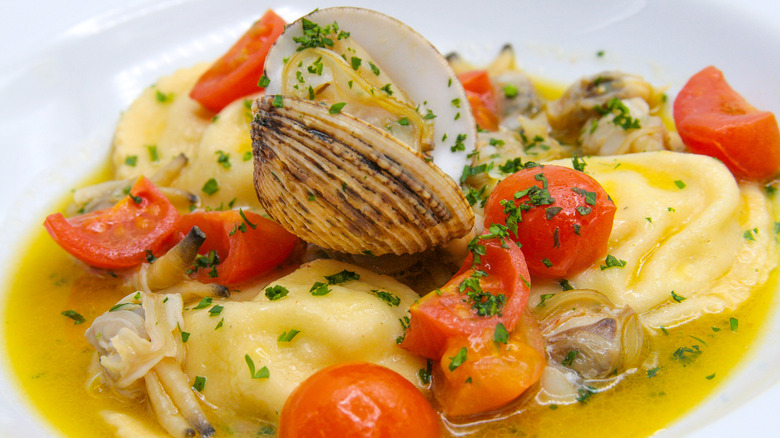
[49, 357]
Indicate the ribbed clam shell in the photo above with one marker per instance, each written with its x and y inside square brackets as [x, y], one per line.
[345, 185]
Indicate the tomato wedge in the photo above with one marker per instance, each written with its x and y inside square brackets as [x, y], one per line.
[451, 313]
[488, 347]
[492, 373]
[563, 218]
[118, 237]
[246, 245]
[357, 400]
[237, 72]
[715, 120]
[482, 98]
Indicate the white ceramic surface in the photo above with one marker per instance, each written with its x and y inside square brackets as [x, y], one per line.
[68, 68]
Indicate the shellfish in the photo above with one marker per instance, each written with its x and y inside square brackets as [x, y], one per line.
[361, 132]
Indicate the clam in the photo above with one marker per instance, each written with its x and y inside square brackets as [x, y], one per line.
[585, 332]
[360, 134]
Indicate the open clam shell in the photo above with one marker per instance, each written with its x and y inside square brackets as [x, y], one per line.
[345, 185]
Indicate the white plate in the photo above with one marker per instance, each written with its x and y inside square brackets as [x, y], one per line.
[69, 69]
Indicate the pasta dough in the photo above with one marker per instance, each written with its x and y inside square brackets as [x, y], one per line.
[350, 323]
[683, 224]
[164, 122]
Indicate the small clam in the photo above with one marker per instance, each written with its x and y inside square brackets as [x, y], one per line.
[345, 185]
[358, 110]
[585, 332]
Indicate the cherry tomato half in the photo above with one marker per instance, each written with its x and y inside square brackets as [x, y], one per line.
[357, 400]
[715, 120]
[237, 72]
[563, 218]
[246, 246]
[118, 237]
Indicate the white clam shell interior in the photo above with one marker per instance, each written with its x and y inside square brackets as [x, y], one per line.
[413, 64]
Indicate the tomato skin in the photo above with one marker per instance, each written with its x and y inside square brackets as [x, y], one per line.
[237, 72]
[242, 255]
[118, 237]
[482, 98]
[497, 373]
[438, 317]
[713, 119]
[574, 252]
[357, 400]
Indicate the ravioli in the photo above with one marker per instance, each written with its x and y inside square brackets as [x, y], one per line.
[693, 240]
[164, 122]
[351, 323]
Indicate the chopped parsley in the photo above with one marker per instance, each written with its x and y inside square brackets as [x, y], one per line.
[403, 121]
[750, 234]
[262, 373]
[678, 298]
[578, 163]
[184, 337]
[652, 372]
[216, 310]
[75, 316]
[686, 355]
[621, 114]
[276, 292]
[206, 261]
[315, 35]
[501, 334]
[131, 160]
[585, 393]
[336, 107]
[425, 373]
[153, 154]
[319, 288]
[200, 383]
[355, 61]
[613, 262]
[263, 82]
[733, 324]
[342, 277]
[510, 91]
[288, 335]
[163, 97]
[679, 183]
[459, 146]
[569, 359]
[458, 359]
[149, 257]
[565, 285]
[205, 302]
[278, 102]
[374, 68]
[210, 187]
[246, 221]
[387, 297]
[223, 159]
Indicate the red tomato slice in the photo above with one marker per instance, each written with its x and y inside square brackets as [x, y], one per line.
[237, 72]
[246, 248]
[357, 400]
[448, 313]
[482, 98]
[561, 237]
[715, 120]
[492, 373]
[118, 237]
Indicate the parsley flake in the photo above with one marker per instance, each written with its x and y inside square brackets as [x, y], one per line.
[458, 359]
[276, 292]
[262, 373]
